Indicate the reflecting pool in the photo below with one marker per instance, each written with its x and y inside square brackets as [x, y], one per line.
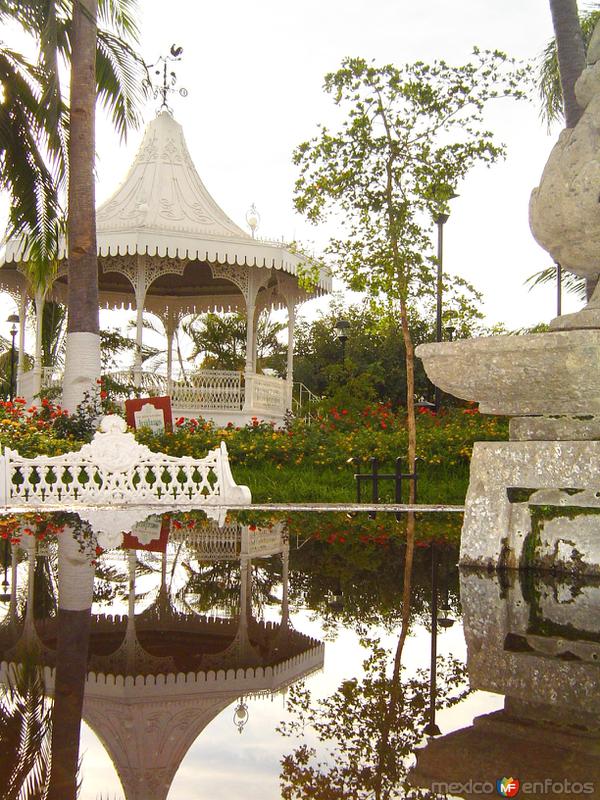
[287, 655]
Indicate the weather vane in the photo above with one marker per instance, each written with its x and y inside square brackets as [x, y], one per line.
[169, 78]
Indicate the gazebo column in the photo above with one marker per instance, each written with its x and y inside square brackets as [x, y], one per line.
[257, 312]
[285, 584]
[141, 287]
[250, 370]
[40, 301]
[291, 304]
[170, 328]
[22, 325]
[139, 335]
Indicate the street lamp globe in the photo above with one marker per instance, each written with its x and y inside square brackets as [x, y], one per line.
[341, 330]
[253, 219]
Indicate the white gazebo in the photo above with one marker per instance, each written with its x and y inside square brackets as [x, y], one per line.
[166, 247]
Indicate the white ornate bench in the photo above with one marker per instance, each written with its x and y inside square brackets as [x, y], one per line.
[115, 470]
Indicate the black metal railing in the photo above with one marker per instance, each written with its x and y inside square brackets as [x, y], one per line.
[375, 477]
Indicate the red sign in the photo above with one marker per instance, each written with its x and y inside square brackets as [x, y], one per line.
[152, 534]
[138, 416]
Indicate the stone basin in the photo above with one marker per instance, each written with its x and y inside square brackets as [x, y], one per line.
[540, 373]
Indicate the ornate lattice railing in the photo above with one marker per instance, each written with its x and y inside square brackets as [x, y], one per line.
[204, 390]
[115, 470]
[268, 394]
[216, 541]
[211, 390]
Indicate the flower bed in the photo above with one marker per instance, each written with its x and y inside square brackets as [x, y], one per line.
[319, 452]
[334, 438]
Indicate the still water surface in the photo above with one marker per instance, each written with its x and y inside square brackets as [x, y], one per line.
[277, 656]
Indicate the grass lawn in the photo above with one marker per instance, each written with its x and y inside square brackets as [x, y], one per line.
[303, 483]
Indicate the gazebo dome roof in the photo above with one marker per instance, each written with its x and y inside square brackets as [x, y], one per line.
[162, 209]
[162, 196]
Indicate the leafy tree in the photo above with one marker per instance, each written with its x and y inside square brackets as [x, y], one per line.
[408, 135]
[374, 366]
[369, 729]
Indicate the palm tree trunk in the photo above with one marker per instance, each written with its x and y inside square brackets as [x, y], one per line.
[571, 54]
[75, 594]
[82, 361]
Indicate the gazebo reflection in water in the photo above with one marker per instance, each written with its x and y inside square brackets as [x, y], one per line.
[156, 679]
[165, 247]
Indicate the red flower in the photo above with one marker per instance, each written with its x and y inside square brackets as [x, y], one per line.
[103, 395]
[344, 411]
[176, 524]
[179, 421]
[99, 551]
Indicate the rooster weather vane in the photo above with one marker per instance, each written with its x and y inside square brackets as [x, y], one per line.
[169, 77]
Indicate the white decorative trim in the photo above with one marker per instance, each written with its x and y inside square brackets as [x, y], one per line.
[142, 271]
[234, 273]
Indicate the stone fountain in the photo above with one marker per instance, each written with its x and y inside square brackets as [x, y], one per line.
[548, 383]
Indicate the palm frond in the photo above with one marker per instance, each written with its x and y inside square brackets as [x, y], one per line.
[120, 16]
[24, 171]
[54, 326]
[25, 721]
[548, 80]
[570, 283]
[120, 74]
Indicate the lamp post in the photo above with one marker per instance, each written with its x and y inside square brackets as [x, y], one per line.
[431, 729]
[14, 320]
[440, 221]
[341, 332]
[446, 620]
[5, 594]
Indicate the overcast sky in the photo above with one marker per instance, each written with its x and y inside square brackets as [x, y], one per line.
[254, 73]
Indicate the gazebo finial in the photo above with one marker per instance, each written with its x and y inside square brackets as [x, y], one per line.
[169, 78]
